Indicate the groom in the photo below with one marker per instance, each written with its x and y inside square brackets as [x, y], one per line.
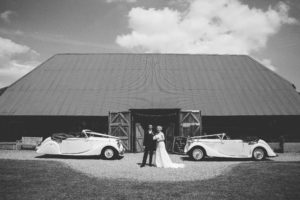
[149, 145]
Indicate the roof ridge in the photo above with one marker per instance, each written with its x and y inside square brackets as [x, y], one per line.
[190, 54]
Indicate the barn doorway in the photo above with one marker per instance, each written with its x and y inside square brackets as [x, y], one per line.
[167, 118]
[130, 125]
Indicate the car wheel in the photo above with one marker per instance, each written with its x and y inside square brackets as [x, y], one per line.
[109, 153]
[197, 153]
[259, 154]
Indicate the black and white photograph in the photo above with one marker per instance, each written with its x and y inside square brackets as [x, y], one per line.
[149, 99]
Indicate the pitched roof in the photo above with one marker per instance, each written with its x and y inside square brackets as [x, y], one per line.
[2, 90]
[94, 84]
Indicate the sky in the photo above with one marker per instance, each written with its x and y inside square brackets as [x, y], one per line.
[31, 31]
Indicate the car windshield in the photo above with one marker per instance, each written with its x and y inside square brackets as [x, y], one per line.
[226, 137]
[82, 135]
[92, 134]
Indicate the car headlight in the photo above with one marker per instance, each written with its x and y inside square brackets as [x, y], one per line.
[119, 142]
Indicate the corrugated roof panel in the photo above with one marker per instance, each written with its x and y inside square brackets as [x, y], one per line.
[234, 102]
[290, 101]
[94, 84]
[279, 104]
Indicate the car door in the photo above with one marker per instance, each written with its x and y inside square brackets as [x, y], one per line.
[75, 145]
[234, 148]
[211, 143]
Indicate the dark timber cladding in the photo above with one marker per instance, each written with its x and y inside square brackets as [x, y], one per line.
[120, 94]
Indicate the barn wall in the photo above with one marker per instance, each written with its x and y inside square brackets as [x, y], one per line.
[13, 128]
[269, 128]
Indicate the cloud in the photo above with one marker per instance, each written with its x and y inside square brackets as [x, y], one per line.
[126, 1]
[62, 39]
[267, 63]
[15, 61]
[8, 48]
[6, 15]
[4, 31]
[205, 26]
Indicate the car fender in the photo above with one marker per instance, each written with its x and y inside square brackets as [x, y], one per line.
[265, 146]
[112, 144]
[109, 146]
[49, 146]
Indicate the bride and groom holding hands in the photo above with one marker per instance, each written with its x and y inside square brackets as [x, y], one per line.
[155, 143]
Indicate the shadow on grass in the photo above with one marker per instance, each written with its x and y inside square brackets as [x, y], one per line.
[76, 157]
[139, 164]
[215, 159]
[24, 179]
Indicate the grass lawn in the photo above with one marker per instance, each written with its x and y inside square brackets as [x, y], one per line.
[25, 179]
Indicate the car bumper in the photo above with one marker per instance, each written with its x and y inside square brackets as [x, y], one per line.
[121, 150]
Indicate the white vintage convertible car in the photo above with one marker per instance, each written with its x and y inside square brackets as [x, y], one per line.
[220, 145]
[86, 143]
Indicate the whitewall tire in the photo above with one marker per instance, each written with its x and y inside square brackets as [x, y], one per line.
[109, 153]
[197, 153]
[259, 154]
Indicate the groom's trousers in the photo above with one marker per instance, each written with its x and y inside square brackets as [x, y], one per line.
[146, 152]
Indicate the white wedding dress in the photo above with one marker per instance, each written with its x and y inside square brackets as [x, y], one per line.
[162, 158]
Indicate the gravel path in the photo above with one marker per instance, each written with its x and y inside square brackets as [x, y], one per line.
[128, 167]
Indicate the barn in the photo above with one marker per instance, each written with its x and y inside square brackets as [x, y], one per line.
[120, 94]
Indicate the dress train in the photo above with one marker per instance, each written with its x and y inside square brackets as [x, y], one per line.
[162, 158]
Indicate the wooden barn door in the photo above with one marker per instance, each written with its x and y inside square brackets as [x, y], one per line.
[120, 126]
[190, 123]
[170, 136]
[139, 137]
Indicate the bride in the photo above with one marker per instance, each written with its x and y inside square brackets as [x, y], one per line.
[162, 158]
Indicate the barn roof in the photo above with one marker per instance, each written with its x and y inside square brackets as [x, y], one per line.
[94, 84]
[2, 90]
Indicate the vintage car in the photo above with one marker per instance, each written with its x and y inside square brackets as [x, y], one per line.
[220, 145]
[85, 143]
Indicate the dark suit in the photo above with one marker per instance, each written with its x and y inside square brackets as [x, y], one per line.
[150, 146]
